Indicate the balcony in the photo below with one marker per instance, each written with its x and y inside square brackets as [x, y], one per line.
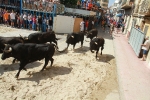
[144, 8]
[126, 4]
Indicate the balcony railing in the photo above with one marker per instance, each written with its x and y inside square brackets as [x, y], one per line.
[144, 7]
[127, 4]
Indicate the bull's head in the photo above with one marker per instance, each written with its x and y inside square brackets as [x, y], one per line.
[89, 35]
[6, 52]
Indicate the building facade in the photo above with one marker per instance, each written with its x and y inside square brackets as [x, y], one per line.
[104, 4]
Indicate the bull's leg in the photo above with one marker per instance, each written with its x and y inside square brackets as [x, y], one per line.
[13, 61]
[55, 42]
[97, 52]
[74, 46]
[52, 60]
[22, 65]
[46, 62]
[67, 45]
[81, 44]
[102, 49]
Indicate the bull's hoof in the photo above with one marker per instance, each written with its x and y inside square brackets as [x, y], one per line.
[16, 76]
[25, 69]
[41, 70]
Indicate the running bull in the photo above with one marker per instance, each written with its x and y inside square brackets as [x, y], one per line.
[92, 33]
[29, 52]
[95, 44]
[42, 37]
[74, 38]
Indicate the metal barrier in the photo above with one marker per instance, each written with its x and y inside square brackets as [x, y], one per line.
[136, 39]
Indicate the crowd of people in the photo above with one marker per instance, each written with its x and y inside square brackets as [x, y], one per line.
[40, 5]
[87, 5]
[26, 20]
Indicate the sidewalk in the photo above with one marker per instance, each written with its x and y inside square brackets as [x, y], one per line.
[133, 74]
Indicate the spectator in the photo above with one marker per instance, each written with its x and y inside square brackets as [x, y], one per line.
[12, 18]
[18, 20]
[21, 20]
[1, 16]
[82, 26]
[36, 5]
[44, 4]
[111, 29]
[44, 24]
[50, 24]
[118, 27]
[78, 4]
[90, 5]
[40, 23]
[6, 18]
[25, 21]
[34, 23]
[30, 21]
[86, 25]
[145, 48]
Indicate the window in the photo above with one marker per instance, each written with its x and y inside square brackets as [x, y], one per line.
[105, 5]
[105, 0]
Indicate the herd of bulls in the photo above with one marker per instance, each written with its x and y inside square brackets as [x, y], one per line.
[35, 46]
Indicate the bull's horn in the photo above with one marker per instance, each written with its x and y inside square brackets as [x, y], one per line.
[96, 43]
[5, 44]
[72, 36]
[10, 49]
[21, 36]
[26, 38]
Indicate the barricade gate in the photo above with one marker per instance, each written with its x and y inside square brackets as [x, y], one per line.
[136, 39]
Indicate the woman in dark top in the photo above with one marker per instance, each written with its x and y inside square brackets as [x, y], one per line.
[40, 23]
[50, 24]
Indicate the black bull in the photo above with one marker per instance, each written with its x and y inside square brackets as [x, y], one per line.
[42, 37]
[95, 44]
[75, 38]
[92, 33]
[30, 52]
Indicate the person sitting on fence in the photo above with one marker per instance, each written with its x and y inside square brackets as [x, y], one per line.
[40, 6]
[145, 48]
[78, 4]
[36, 5]
[50, 6]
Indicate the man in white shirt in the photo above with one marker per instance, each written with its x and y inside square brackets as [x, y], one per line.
[145, 48]
[81, 26]
[12, 18]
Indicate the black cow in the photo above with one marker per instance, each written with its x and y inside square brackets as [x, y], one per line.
[95, 44]
[92, 33]
[74, 38]
[11, 41]
[41, 37]
[29, 52]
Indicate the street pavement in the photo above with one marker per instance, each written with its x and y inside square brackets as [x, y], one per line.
[133, 74]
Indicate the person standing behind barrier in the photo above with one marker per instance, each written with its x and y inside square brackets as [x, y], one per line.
[82, 26]
[34, 23]
[145, 48]
[12, 18]
[29, 21]
[21, 20]
[1, 16]
[6, 16]
[78, 4]
[86, 25]
[25, 21]
[50, 23]
[40, 23]
[44, 24]
[44, 5]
